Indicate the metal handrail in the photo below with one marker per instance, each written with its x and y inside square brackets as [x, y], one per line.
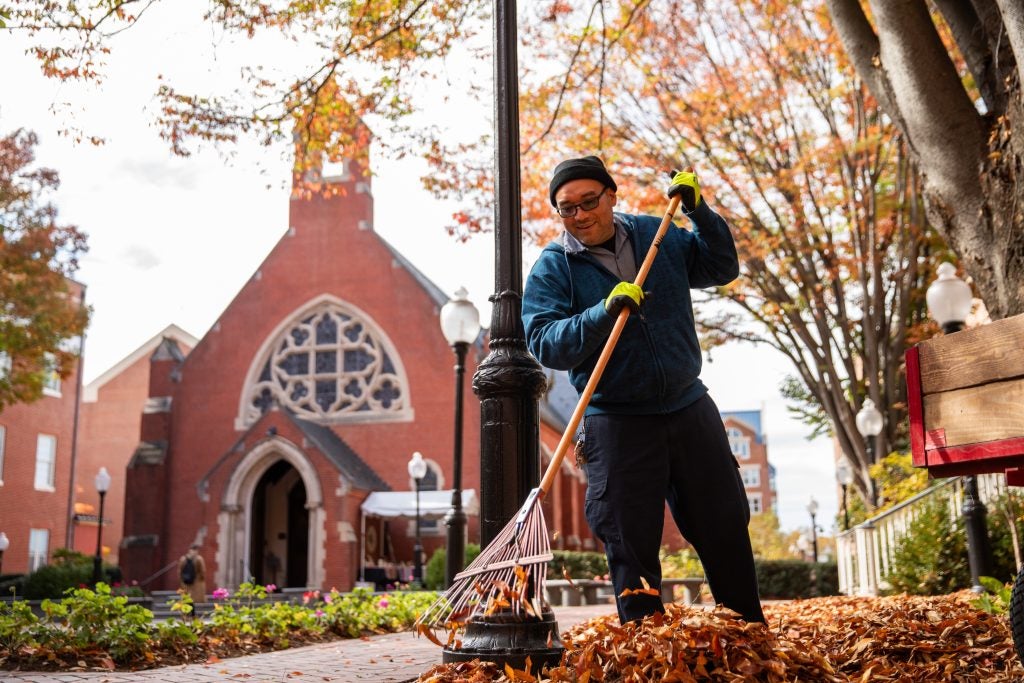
[158, 574]
[864, 552]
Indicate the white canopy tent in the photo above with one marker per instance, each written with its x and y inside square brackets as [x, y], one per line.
[402, 504]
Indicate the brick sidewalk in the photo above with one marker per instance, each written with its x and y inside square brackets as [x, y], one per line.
[391, 658]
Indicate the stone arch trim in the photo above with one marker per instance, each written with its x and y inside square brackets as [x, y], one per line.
[382, 382]
[234, 517]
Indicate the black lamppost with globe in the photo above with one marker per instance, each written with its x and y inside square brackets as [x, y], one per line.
[812, 510]
[417, 470]
[949, 302]
[102, 483]
[460, 324]
[869, 424]
[844, 475]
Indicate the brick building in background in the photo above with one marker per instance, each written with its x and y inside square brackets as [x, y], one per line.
[111, 415]
[37, 456]
[750, 447]
[263, 440]
[311, 391]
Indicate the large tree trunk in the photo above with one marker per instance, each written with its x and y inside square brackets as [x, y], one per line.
[972, 163]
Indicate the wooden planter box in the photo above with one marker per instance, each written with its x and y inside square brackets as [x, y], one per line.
[965, 396]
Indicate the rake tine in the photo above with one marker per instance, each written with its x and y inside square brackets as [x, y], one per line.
[522, 543]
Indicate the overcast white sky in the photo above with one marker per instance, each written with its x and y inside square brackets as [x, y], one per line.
[172, 240]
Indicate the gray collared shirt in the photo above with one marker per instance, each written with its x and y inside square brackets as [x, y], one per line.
[622, 262]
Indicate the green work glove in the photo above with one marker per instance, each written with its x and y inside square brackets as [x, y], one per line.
[686, 185]
[624, 294]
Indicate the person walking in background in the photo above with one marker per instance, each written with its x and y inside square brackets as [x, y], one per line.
[192, 574]
[651, 434]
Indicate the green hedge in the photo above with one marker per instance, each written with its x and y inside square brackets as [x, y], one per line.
[931, 559]
[69, 569]
[577, 564]
[788, 579]
[777, 579]
[433, 573]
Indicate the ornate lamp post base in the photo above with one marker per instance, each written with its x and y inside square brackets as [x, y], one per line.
[510, 640]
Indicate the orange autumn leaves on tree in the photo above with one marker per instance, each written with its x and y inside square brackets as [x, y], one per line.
[370, 54]
[41, 310]
[759, 98]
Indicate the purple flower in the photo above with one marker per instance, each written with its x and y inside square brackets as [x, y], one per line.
[220, 594]
[319, 613]
[383, 604]
[271, 587]
[328, 598]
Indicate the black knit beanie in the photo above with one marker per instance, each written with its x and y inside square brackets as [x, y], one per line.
[573, 169]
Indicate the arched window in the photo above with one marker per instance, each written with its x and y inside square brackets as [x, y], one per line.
[329, 364]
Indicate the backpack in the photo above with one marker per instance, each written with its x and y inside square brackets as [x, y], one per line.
[188, 572]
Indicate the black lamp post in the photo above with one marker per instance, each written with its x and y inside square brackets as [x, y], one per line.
[102, 482]
[869, 424]
[4, 543]
[844, 475]
[460, 323]
[812, 510]
[417, 470]
[949, 301]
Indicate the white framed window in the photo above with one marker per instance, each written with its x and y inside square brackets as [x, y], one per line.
[38, 548]
[739, 443]
[3, 441]
[51, 378]
[5, 364]
[751, 476]
[46, 462]
[754, 501]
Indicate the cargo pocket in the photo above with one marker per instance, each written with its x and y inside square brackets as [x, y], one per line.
[595, 465]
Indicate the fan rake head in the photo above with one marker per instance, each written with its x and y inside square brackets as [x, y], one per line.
[506, 579]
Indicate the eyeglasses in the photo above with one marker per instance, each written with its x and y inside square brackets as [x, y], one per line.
[570, 210]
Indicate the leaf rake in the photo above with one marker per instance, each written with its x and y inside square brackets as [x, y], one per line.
[507, 577]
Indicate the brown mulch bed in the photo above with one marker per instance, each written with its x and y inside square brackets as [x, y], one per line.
[208, 650]
[821, 640]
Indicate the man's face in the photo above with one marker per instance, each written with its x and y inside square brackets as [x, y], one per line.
[591, 227]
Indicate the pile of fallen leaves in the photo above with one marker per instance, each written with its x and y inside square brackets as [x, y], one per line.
[837, 639]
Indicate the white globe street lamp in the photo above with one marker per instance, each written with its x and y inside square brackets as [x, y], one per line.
[949, 303]
[417, 470]
[949, 299]
[460, 324]
[102, 482]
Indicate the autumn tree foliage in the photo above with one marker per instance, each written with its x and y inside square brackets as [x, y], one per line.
[360, 59]
[948, 73]
[39, 314]
[824, 201]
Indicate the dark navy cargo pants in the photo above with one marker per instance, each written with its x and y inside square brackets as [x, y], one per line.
[634, 464]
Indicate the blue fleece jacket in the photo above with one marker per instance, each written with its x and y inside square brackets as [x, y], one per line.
[656, 364]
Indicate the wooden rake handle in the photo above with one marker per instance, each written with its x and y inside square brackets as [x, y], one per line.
[606, 353]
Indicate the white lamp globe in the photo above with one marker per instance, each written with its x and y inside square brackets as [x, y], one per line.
[417, 466]
[949, 298]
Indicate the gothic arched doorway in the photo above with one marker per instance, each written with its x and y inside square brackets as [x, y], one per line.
[279, 544]
[274, 482]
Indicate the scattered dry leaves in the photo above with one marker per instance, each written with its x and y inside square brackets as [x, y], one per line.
[825, 640]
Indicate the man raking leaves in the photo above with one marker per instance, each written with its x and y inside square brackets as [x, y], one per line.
[652, 433]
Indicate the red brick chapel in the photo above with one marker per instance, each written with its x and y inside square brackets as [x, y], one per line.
[310, 392]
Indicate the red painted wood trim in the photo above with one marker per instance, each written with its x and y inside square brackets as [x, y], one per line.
[915, 407]
[977, 452]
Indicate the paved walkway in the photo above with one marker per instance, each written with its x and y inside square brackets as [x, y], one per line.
[391, 658]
